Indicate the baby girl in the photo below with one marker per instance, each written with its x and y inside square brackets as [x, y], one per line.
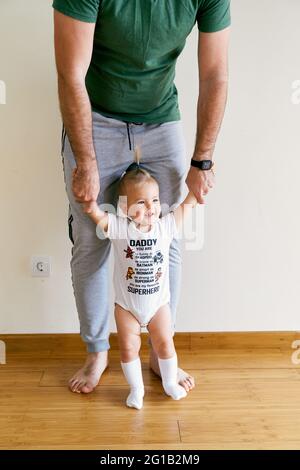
[141, 240]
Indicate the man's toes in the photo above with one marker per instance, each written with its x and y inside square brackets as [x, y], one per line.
[185, 385]
[189, 383]
[79, 386]
[86, 388]
[73, 385]
[72, 381]
[192, 382]
[75, 388]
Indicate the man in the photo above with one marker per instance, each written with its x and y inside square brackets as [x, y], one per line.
[116, 65]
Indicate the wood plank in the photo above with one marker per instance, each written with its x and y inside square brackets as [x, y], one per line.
[244, 340]
[256, 426]
[93, 428]
[20, 377]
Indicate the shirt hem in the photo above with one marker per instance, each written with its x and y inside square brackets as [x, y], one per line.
[136, 315]
[75, 15]
[138, 118]
[214, 29]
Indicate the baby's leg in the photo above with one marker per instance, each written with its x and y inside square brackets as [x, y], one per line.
[129, 339]
[160, 329]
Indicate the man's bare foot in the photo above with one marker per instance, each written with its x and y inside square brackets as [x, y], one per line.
[87, 378]
[186, 380]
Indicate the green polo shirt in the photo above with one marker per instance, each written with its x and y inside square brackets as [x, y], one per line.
[136, 45]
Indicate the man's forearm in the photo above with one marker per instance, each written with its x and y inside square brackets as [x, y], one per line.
[77, 117]
[210, 112]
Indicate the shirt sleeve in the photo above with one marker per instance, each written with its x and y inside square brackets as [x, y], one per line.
[169, 225]
[213, 15]
[83, 10]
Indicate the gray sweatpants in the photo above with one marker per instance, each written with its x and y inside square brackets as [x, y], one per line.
[164, 156]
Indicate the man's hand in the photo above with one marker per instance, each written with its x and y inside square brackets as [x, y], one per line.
[200, 182]
[86, 185]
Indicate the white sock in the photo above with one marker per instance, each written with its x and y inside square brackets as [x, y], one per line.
[168, 370]
[133, 374]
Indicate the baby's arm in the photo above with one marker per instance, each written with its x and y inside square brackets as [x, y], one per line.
[184, 209]
[98, 216]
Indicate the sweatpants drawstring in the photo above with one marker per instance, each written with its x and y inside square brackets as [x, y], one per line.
[128, 133]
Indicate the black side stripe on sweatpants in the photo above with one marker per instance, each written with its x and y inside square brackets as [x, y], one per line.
[70, 220]
[63, 139]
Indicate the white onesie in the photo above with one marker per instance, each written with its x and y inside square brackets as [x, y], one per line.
[141, 270]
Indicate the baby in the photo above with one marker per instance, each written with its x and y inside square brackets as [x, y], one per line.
[141, 241]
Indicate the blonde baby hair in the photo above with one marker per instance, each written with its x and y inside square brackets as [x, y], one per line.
[135, 174]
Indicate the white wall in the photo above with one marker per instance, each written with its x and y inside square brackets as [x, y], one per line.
[247, 276]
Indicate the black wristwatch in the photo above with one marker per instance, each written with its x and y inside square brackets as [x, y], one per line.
[202, 164]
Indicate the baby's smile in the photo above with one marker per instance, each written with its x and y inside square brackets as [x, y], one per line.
[143, 205]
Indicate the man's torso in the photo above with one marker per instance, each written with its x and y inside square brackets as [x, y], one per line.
[136, 44]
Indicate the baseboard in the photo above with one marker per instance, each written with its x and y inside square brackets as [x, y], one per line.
[193, 341]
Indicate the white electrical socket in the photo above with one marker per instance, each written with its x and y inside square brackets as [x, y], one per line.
[40, 266]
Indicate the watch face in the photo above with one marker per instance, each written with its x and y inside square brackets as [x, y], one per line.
[206, 164]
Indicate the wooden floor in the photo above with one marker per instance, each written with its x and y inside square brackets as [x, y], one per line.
[247, 397]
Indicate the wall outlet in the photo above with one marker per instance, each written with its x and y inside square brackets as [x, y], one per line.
[40, 266]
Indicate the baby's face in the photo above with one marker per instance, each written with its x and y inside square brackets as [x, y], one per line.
[143, 204]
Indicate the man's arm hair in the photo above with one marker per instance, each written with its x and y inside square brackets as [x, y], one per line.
[73, 50]
[213, 84]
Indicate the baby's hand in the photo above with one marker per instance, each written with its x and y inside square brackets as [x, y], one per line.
[96, 214]
[91, 208]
